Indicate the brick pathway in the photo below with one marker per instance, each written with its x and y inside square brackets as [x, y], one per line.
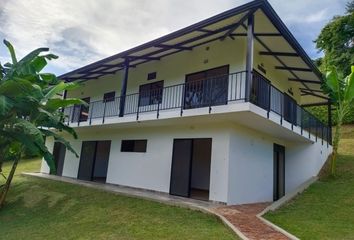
[244, 218]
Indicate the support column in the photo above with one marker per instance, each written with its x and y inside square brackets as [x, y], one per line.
[249, 56]
[123, 91]
[329, 109]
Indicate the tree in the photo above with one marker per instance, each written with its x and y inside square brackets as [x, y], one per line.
[30, 110]
[341, 92]
[336, 40]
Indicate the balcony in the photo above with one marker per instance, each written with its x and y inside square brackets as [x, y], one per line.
[203, 94]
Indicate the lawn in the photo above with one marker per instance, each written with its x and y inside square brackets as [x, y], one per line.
[326, 209]
[45, 209]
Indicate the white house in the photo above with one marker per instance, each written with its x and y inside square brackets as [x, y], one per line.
[213, 111]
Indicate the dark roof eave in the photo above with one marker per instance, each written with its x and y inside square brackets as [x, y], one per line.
[279, 24]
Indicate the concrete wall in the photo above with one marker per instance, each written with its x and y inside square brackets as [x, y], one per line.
[241, 159]
[250, 167]
[151, 170]
[304, 161]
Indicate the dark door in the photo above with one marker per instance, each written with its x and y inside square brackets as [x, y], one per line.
[101, 160]
[190, 171]
[87, 159]
[181, 167]
[81, 112]
[59, 156]
[279, 172]
[206, 88]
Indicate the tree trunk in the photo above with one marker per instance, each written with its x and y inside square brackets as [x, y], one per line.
[337, 135]
[8, 181]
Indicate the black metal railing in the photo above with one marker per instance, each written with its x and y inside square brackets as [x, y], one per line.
[219, 90]
[270, 98]
[208, 92]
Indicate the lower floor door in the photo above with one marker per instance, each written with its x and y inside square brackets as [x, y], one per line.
[190, 171]
[279, 172]
[59, 151]
[94, 160]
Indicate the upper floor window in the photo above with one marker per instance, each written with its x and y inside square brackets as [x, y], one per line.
[150, 93]
[151, 76]
[108, 97]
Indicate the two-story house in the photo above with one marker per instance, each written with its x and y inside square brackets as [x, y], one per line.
[214, 111]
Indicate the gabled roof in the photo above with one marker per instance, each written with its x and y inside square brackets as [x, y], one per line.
[271, 34]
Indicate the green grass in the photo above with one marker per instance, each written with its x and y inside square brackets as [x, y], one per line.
[326, 209]
[45, 209]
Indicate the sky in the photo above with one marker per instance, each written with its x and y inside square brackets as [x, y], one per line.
[84, 31]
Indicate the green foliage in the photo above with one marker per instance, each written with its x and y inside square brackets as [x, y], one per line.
[45, 209]
[321, 113]
[341, 92]
[29, 108]
[337, 42]
[325, 210]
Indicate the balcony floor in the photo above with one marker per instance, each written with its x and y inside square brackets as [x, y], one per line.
[241, 113]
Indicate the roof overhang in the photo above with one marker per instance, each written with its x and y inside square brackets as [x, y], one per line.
[272, 37]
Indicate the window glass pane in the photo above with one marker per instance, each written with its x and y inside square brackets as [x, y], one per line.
[150, 93]
[140, 146]
[108, 97]
[133, 145]
[127, 146]
[84, 110]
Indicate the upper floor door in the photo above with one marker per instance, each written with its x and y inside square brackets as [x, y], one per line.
[206, 88]
[81, 112]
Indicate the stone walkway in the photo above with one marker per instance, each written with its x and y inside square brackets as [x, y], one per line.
[244, 218]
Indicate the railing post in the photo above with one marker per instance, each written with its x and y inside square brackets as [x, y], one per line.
[301, 120]
[322, 133]
[183, 97]
[210, 95]
[292, 120]
[104, 111]
[91, 110]
[79, 118]
[281, 108]
[309, 127]
[158, 109]
[269, 98]
[137, 111]
[123, 92]
[249, 56]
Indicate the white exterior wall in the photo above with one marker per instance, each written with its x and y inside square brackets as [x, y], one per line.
[251, 167]
[241, 160]
[304, 161]
[151, 170]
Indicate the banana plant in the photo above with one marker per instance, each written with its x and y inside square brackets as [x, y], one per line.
[30, 110]
[341, 92]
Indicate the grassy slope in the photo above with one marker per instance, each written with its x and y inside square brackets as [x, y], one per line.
[45, 209]
[326, 209]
